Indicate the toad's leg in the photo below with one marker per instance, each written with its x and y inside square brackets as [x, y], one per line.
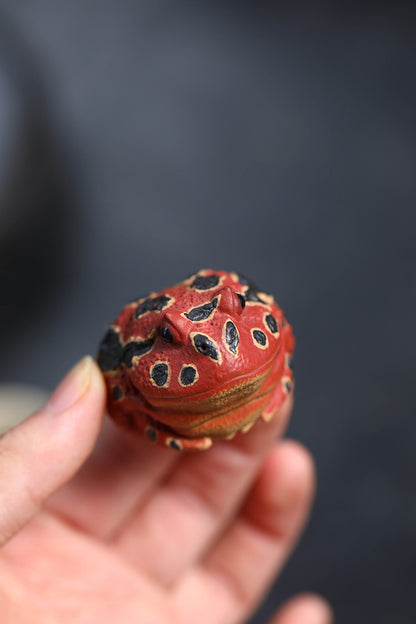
[283, 388]
[156, 432]
[131, 414]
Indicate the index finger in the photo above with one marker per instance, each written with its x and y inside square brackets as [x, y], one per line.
[43, 452]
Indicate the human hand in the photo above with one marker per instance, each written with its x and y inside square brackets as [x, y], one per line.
[142, 533]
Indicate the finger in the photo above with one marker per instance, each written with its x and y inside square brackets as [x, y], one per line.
[43, 452]
[236, 573]
[305, 609]
[59, 563]
[122, 471]
[196, 502]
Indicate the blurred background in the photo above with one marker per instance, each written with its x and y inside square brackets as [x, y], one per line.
[143, 140]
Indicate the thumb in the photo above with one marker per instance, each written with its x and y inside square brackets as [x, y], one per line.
[44, 451]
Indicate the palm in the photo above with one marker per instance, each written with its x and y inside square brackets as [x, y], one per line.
[143, 533]
[146, 530]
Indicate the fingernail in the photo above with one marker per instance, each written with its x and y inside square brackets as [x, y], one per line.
[72, 387]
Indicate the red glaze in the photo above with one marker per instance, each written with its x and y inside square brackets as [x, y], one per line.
[198, 361]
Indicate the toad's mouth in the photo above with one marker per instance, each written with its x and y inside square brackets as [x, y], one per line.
[235, 392]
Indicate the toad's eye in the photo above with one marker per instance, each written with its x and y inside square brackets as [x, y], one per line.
[205, 346]
[166, 334]
[231, 302]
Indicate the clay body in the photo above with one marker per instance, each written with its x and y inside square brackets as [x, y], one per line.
[198, 361]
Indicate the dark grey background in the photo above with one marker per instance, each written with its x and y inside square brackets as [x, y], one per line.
[280, 142]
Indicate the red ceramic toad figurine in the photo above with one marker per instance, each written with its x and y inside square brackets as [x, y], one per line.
[198, 361]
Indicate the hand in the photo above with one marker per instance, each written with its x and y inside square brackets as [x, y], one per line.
[142, 533]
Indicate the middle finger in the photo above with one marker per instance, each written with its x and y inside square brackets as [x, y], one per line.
[196, 502]
[122, 470]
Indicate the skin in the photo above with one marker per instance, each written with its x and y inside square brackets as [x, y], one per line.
[142, 533]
